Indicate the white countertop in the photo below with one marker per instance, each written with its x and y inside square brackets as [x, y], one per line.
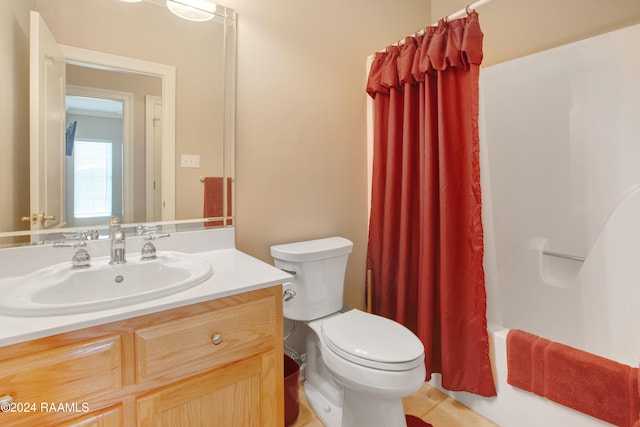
[234, 272]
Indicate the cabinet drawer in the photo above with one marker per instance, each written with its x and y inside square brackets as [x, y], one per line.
[66, 375]
[186, 346]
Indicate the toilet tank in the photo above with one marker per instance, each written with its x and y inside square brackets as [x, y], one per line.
[318, 268]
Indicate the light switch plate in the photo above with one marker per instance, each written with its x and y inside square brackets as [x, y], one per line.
[190, 161]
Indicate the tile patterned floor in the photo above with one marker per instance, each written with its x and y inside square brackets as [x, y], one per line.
[428, 403]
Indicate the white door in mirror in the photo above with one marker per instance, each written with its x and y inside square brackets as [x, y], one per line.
[47, 132]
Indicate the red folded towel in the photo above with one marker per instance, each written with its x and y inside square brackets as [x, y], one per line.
[591, 384]
[538, 364]
[519, 344]
[525, 356]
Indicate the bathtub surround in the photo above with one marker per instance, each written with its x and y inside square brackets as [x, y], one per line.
[591, 384]
[426, 261]
[561, 143]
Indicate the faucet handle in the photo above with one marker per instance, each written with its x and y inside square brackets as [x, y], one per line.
[81, 258]
[148, 249]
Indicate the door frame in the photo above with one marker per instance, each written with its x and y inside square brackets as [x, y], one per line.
[167, 74]
[150, 101]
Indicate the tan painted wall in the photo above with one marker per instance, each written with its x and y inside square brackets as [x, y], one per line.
[514, 28]
[301, 141]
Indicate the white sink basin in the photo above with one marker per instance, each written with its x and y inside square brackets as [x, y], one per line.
[60, 290]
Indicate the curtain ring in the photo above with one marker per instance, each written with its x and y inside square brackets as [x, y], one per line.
[468, 10]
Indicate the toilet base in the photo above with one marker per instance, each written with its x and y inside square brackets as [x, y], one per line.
[364, 409]
[359, 410]
[329, 414]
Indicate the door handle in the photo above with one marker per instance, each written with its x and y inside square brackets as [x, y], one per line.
[34, 218]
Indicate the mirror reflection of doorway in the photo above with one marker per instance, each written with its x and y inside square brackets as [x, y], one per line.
[95, 155]
[132, 88]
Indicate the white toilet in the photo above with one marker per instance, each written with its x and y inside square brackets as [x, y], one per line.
[359, 365]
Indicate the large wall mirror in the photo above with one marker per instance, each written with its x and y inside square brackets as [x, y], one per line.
[114, 107]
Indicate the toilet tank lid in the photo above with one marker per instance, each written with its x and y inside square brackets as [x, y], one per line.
[311, 250]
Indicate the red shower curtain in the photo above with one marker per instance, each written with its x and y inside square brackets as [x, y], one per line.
[425, 233]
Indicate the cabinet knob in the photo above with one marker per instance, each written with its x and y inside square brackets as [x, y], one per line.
[216, 338]
[5, 403]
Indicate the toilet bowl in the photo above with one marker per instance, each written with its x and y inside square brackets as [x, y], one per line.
[359, 365]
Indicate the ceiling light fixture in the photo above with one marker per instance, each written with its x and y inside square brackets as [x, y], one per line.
[193, 10]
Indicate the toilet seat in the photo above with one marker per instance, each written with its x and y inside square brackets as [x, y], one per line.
[372, 341]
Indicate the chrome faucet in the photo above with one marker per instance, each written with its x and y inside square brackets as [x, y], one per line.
[117, 236]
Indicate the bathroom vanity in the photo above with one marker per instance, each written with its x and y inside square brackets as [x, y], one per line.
[212, 352]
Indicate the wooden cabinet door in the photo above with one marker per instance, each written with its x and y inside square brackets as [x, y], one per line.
[244, 394]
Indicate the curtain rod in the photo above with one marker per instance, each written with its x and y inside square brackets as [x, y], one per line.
[461, 12]
[455, 15]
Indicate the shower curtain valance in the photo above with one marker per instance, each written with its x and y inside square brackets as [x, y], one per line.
[455, 43]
